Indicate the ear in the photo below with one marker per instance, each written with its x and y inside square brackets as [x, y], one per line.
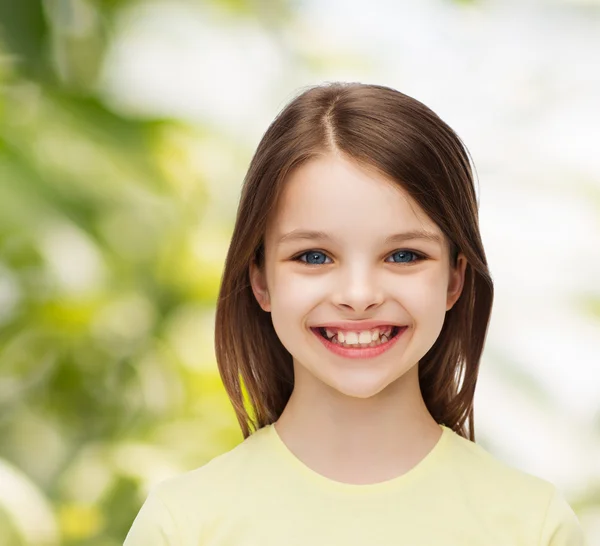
[258, 282]
[456, 281]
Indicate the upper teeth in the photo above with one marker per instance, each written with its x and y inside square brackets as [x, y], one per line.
[365, 336]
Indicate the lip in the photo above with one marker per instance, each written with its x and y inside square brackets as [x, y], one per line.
[363, 352]
[358, 325]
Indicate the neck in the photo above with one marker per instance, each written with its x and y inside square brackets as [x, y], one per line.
[359, 440]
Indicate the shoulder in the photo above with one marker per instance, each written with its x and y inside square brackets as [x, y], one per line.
[477, 465]
[215, 481]
[511, 493]
[177, 509]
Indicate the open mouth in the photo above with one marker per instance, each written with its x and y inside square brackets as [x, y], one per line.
[385, 334]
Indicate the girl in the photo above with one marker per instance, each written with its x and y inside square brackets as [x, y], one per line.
[352, 315]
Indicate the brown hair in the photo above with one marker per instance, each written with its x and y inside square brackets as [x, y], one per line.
[403, 139]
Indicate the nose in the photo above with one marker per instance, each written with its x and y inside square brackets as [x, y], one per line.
[358, 290]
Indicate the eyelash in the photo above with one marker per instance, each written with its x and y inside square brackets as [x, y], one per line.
[419, 257]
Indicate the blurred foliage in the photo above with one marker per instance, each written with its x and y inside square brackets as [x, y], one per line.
[108, 275]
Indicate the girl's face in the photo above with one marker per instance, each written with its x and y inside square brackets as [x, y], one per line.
[351, 273]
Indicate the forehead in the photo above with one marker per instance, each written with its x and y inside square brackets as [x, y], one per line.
[338, 196]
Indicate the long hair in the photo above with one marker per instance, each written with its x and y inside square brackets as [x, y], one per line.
[398, 136]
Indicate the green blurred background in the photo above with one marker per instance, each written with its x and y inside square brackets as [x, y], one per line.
[114, 224]
[107, 373]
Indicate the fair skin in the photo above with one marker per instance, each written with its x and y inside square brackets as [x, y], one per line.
[355, 420]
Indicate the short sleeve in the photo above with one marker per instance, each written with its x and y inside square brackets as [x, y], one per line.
[561, 526]
[153, 525]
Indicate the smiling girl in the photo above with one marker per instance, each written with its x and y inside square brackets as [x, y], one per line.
[352, 316]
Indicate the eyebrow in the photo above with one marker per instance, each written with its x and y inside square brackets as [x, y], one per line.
[304, 234]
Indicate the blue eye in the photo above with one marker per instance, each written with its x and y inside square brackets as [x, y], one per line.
[310, 256]
[316, 257]
[404, 253]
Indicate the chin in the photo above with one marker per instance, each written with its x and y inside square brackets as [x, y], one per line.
[359, 383]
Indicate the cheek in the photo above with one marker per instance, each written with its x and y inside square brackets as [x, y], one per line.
[423, 296]
[292, 299]
[299, 291]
